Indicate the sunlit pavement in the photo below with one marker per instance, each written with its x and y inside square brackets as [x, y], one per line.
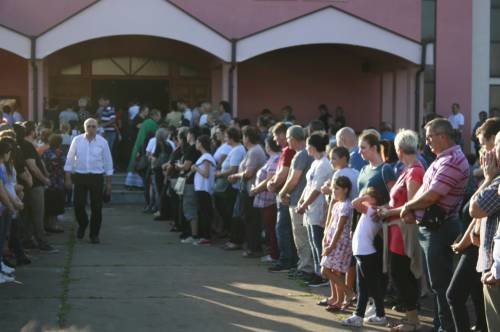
[140, 278]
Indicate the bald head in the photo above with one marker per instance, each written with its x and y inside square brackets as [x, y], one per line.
[346, 137]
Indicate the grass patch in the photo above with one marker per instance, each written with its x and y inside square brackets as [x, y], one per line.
[64, 306]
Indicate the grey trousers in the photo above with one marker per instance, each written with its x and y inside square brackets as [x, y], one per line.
[492, 307]
[305, 263]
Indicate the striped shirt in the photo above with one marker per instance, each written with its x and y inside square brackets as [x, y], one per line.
[108, 114]
[446, 176]
[489, 202]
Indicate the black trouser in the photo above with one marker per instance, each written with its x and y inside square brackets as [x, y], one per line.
[92, 184]
[369, 283]
[205, 213]
[253, 223]
[406, 284]
[237, 235]
[466, 281]
[224, 203]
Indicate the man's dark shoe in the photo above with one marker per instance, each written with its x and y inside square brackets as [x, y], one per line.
[317, 281]
[54, 230]
[278, 268]
[29, 244]
[94, 240]
[80, 233]
[47, 248]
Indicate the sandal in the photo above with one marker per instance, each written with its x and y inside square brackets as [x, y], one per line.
[348, 303]
[333, 308]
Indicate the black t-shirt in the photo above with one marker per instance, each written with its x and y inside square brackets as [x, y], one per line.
[191, 154]
[29, 152]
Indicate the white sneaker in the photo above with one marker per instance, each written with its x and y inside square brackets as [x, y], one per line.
[266, 259]
[188, 240]
[6, 278]
[7, 269]
[376, 320]
[353, 321]
[370, 309]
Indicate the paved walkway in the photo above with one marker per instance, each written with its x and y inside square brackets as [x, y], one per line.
[140, 278]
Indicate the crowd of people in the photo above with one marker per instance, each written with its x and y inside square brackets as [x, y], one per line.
[371, 215]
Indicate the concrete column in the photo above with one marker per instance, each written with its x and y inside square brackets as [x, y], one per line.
[481, 13]
[235, 91]
[42, 90]
[225, 80]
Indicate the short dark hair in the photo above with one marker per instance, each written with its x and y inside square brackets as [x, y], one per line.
[226, 106]
[441, 126]
[341, 152]
[234, 134]
[29, 126]
[318, 141]
[315, 125]
[252, 134]
[272, 144]
[489, 128]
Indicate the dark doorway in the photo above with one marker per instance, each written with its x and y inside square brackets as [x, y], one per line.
[155, 93]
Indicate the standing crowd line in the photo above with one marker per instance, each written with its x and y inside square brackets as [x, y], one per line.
[372, 215]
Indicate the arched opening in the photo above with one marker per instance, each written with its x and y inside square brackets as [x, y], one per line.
[151, 69]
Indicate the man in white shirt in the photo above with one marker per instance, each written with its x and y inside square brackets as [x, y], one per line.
[205, 109]
[133, 110]
[457, 122]
[68, 115]
[89, 165]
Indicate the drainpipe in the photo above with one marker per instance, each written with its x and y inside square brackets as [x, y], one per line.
[231, 75]
[423, 59]
[34, 78]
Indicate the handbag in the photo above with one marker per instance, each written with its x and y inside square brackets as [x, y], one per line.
[433, 217]
[179, 185]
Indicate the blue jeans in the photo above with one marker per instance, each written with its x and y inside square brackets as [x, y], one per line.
[315, 235]
[284, 236]
[4, 230]
[439, 260]
[110, 136]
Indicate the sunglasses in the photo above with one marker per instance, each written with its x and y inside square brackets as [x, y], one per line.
[91, 126]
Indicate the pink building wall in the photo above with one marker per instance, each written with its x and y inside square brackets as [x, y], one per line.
[236, 19]
[454, 58]
[14, 78]
[305, 78]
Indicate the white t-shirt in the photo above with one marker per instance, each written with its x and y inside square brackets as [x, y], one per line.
[203, 119]
[133, 111]
[319, 173]
[151, 147]
[188, 115]
[362, 239]
[202, 183]
[233, 159]
[352, 174]
[456, 120]
[222, 150]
